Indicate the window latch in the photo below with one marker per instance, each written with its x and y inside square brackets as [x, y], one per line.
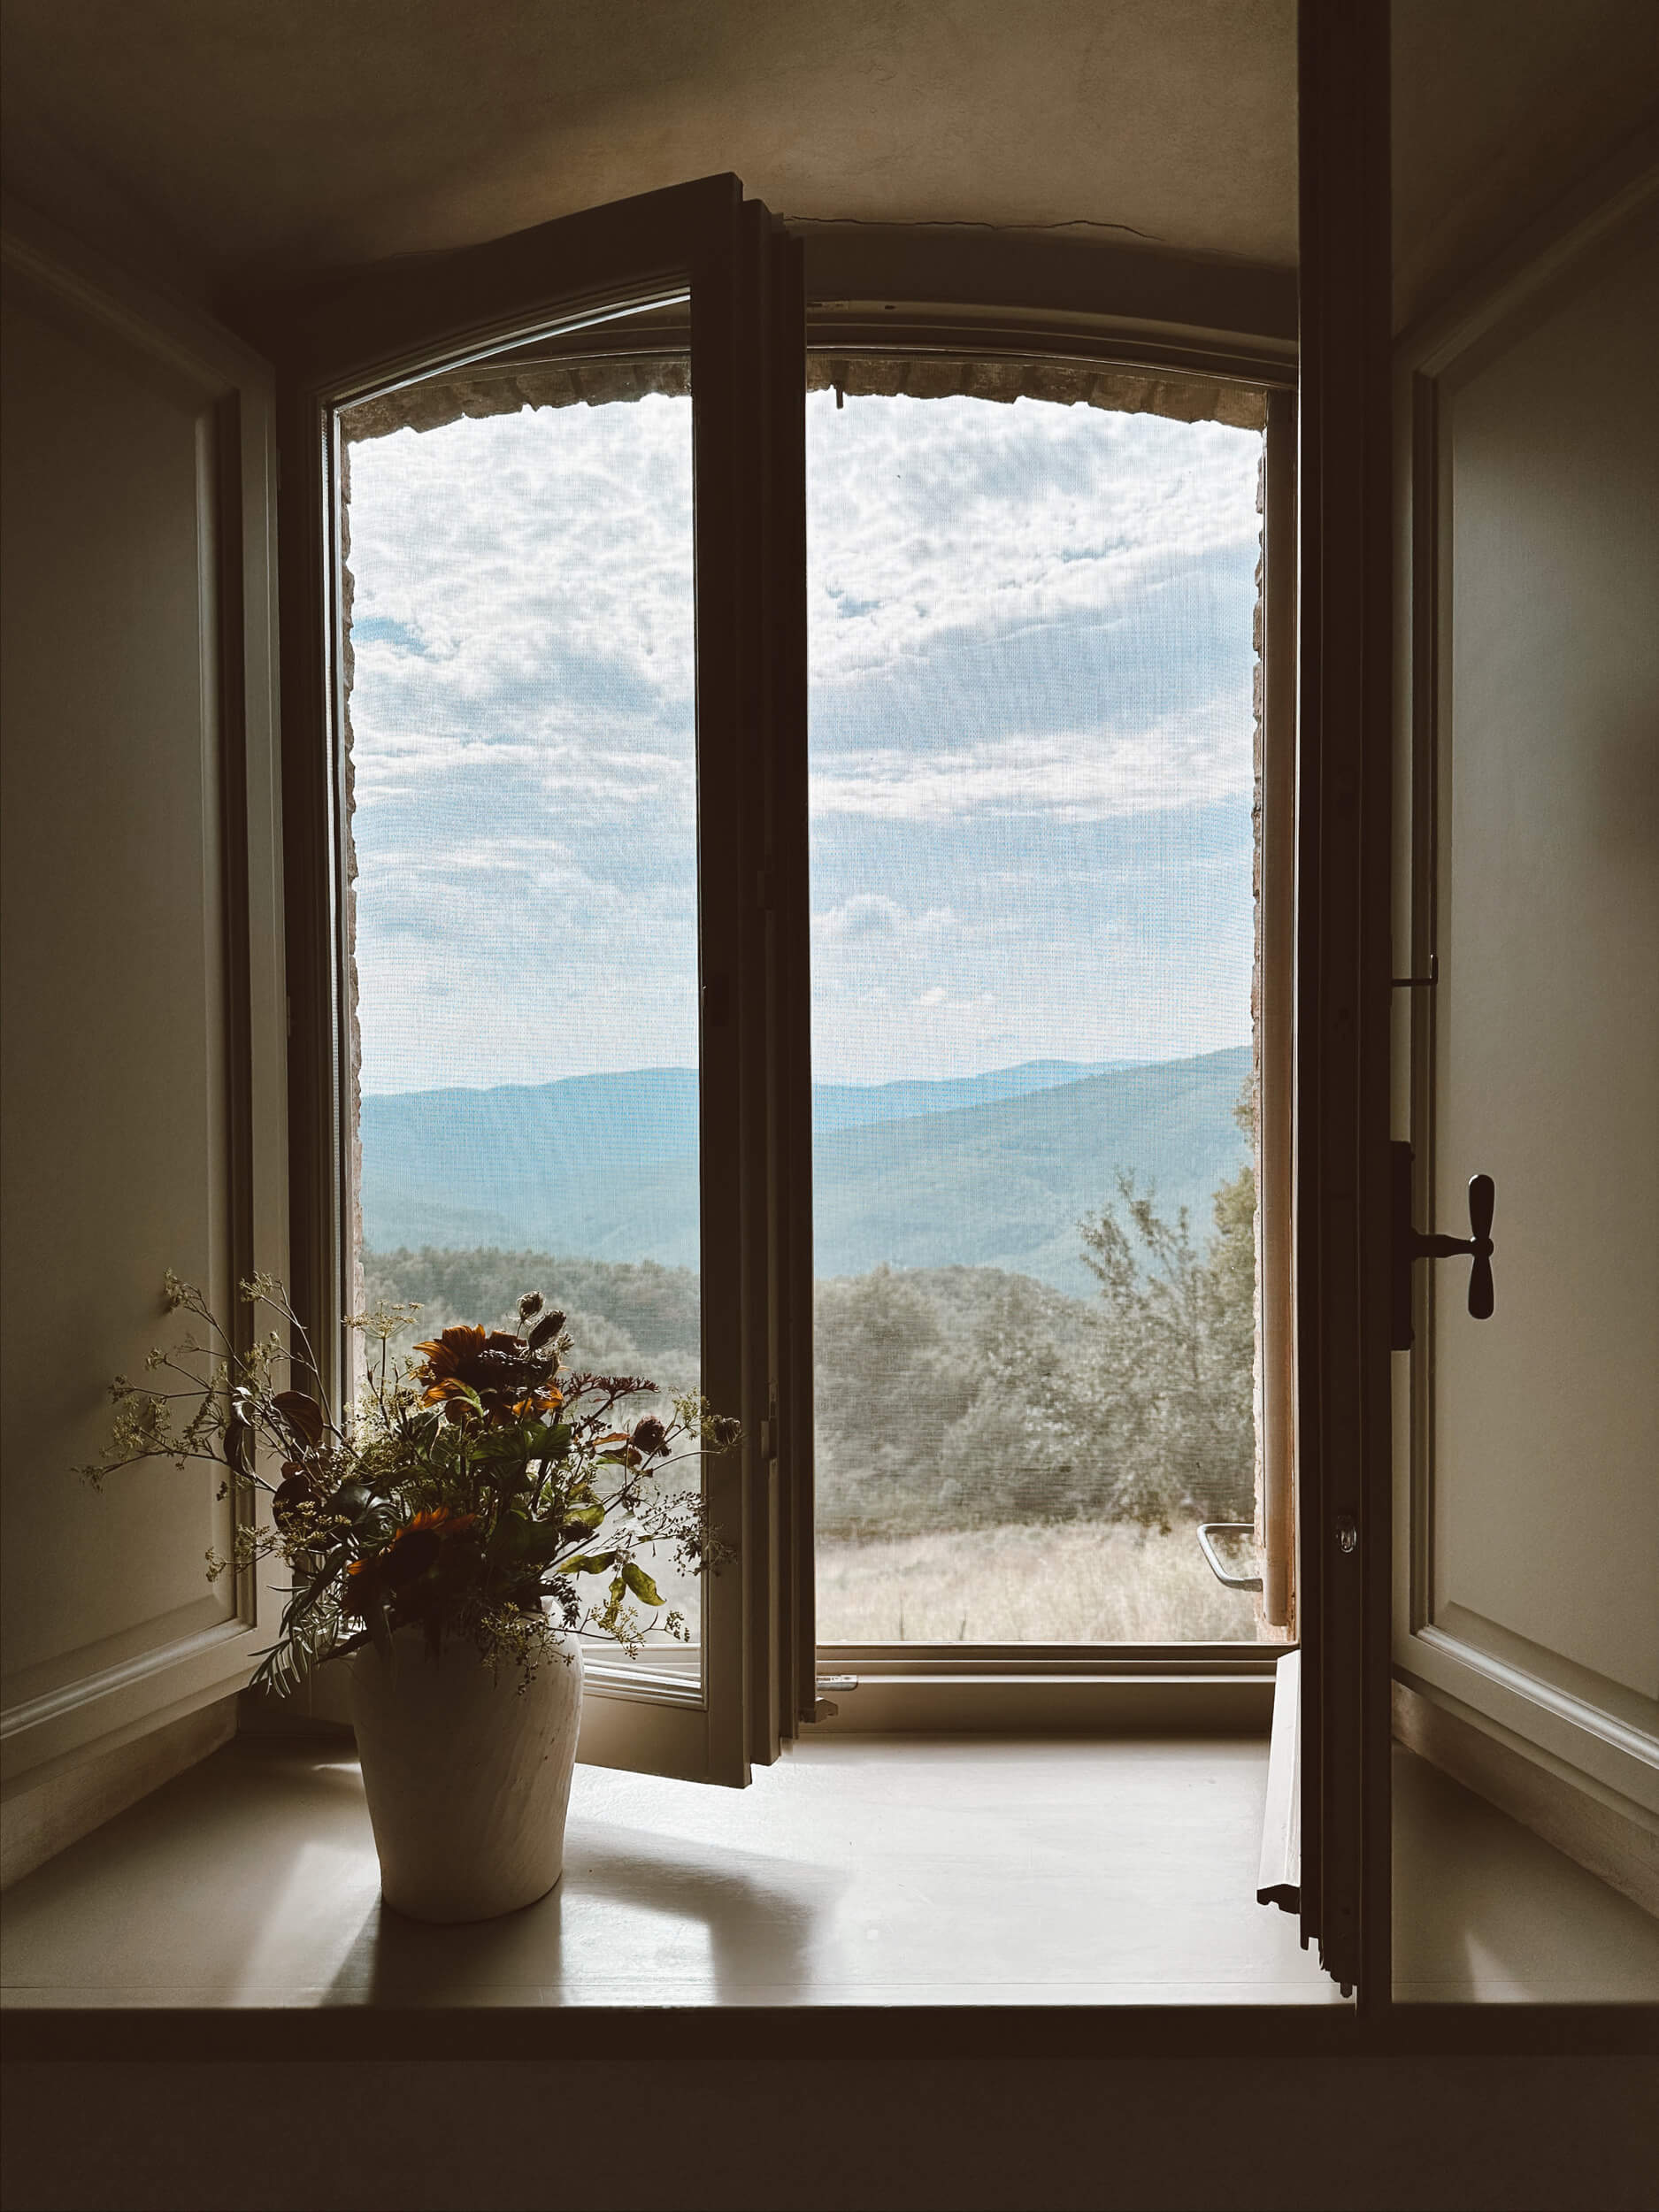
[824, 1707]
[1410, 1243]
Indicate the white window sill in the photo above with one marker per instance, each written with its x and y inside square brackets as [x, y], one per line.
[856, 1872]
[926, 1876]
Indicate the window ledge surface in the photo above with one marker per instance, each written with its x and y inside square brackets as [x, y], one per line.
[911, 1873]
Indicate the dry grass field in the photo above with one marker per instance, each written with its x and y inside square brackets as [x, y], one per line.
[1069, 1583]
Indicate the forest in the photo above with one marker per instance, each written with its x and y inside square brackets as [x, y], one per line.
[958, 1398]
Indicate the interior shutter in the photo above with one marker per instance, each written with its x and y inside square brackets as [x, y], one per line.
[1342, 990]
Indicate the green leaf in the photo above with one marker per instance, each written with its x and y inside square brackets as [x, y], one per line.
[350, 1502]
[499, 1443]
[592, 1563]
[299, 1605]
[584, 1515]
[540, 1542]
[508, 1540]
[303, 1414]
[641, 1584]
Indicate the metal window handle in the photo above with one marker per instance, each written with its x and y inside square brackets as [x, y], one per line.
[1410, 1243]
[1207, 1531]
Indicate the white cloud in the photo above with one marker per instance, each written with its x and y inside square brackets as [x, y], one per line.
[1029, 635]
[934, 517]
[1068, 777]
[870, 916]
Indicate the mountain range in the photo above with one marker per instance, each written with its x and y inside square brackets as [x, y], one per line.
[989, 1170]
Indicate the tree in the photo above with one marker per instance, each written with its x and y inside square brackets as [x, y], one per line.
[1174, 1373]
[1027, 1448]
[888, 1386]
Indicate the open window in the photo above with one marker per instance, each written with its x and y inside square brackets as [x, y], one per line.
[605, 418]
[580, 860]
[1051, 635]
[538, 612]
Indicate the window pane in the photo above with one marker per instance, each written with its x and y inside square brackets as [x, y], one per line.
[1031, 768]
[523, 820]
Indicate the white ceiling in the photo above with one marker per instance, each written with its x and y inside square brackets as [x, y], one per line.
[242, 138]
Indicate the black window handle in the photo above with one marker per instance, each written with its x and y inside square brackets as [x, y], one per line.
[1410, 1243]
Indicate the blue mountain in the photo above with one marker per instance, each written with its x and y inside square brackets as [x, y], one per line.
[991, 1170]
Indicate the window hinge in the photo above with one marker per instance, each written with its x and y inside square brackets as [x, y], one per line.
[1419, 982]
[836, 1682]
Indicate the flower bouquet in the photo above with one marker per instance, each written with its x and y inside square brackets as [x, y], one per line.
[480, 1510]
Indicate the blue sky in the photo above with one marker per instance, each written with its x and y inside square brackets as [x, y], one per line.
[1029, 752]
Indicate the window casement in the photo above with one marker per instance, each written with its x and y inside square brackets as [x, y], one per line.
[888, 348]
[712, 275]
[694, 300]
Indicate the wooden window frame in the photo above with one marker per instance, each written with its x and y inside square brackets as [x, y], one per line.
[1041, 1685]
[1197, 1687]
[1343, 1013]
[337, 343]
[1215, 1684]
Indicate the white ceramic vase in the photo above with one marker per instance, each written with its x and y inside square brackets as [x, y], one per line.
[468, 1778]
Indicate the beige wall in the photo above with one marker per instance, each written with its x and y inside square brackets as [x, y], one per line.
[143, 1015]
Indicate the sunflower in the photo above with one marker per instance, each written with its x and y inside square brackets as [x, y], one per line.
[440, 1518]
[464, 1358]
[415, 1548]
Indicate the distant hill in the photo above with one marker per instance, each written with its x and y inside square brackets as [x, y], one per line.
[853, 1105]
[993, 1170]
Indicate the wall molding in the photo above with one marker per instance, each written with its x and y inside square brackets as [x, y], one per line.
[49, 1810]
[36, 1712]
[85, 1706]
[1610, 1837]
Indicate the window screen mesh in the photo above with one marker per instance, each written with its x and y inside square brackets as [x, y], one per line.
[1033, 930]
[1031, 670]
[524, 829]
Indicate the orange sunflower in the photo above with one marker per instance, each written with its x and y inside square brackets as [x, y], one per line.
[463, 1358]
[406, 1557]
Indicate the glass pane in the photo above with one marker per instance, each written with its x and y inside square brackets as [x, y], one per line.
[521, 673]
[1032, 738]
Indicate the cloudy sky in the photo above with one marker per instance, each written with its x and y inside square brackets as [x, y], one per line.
[1030, 748]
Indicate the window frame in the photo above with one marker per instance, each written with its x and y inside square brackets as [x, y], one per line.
[347, 339]
[1199, 1687]
[925, 1686]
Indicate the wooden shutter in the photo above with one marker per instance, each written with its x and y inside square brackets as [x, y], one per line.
[1342, 989]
